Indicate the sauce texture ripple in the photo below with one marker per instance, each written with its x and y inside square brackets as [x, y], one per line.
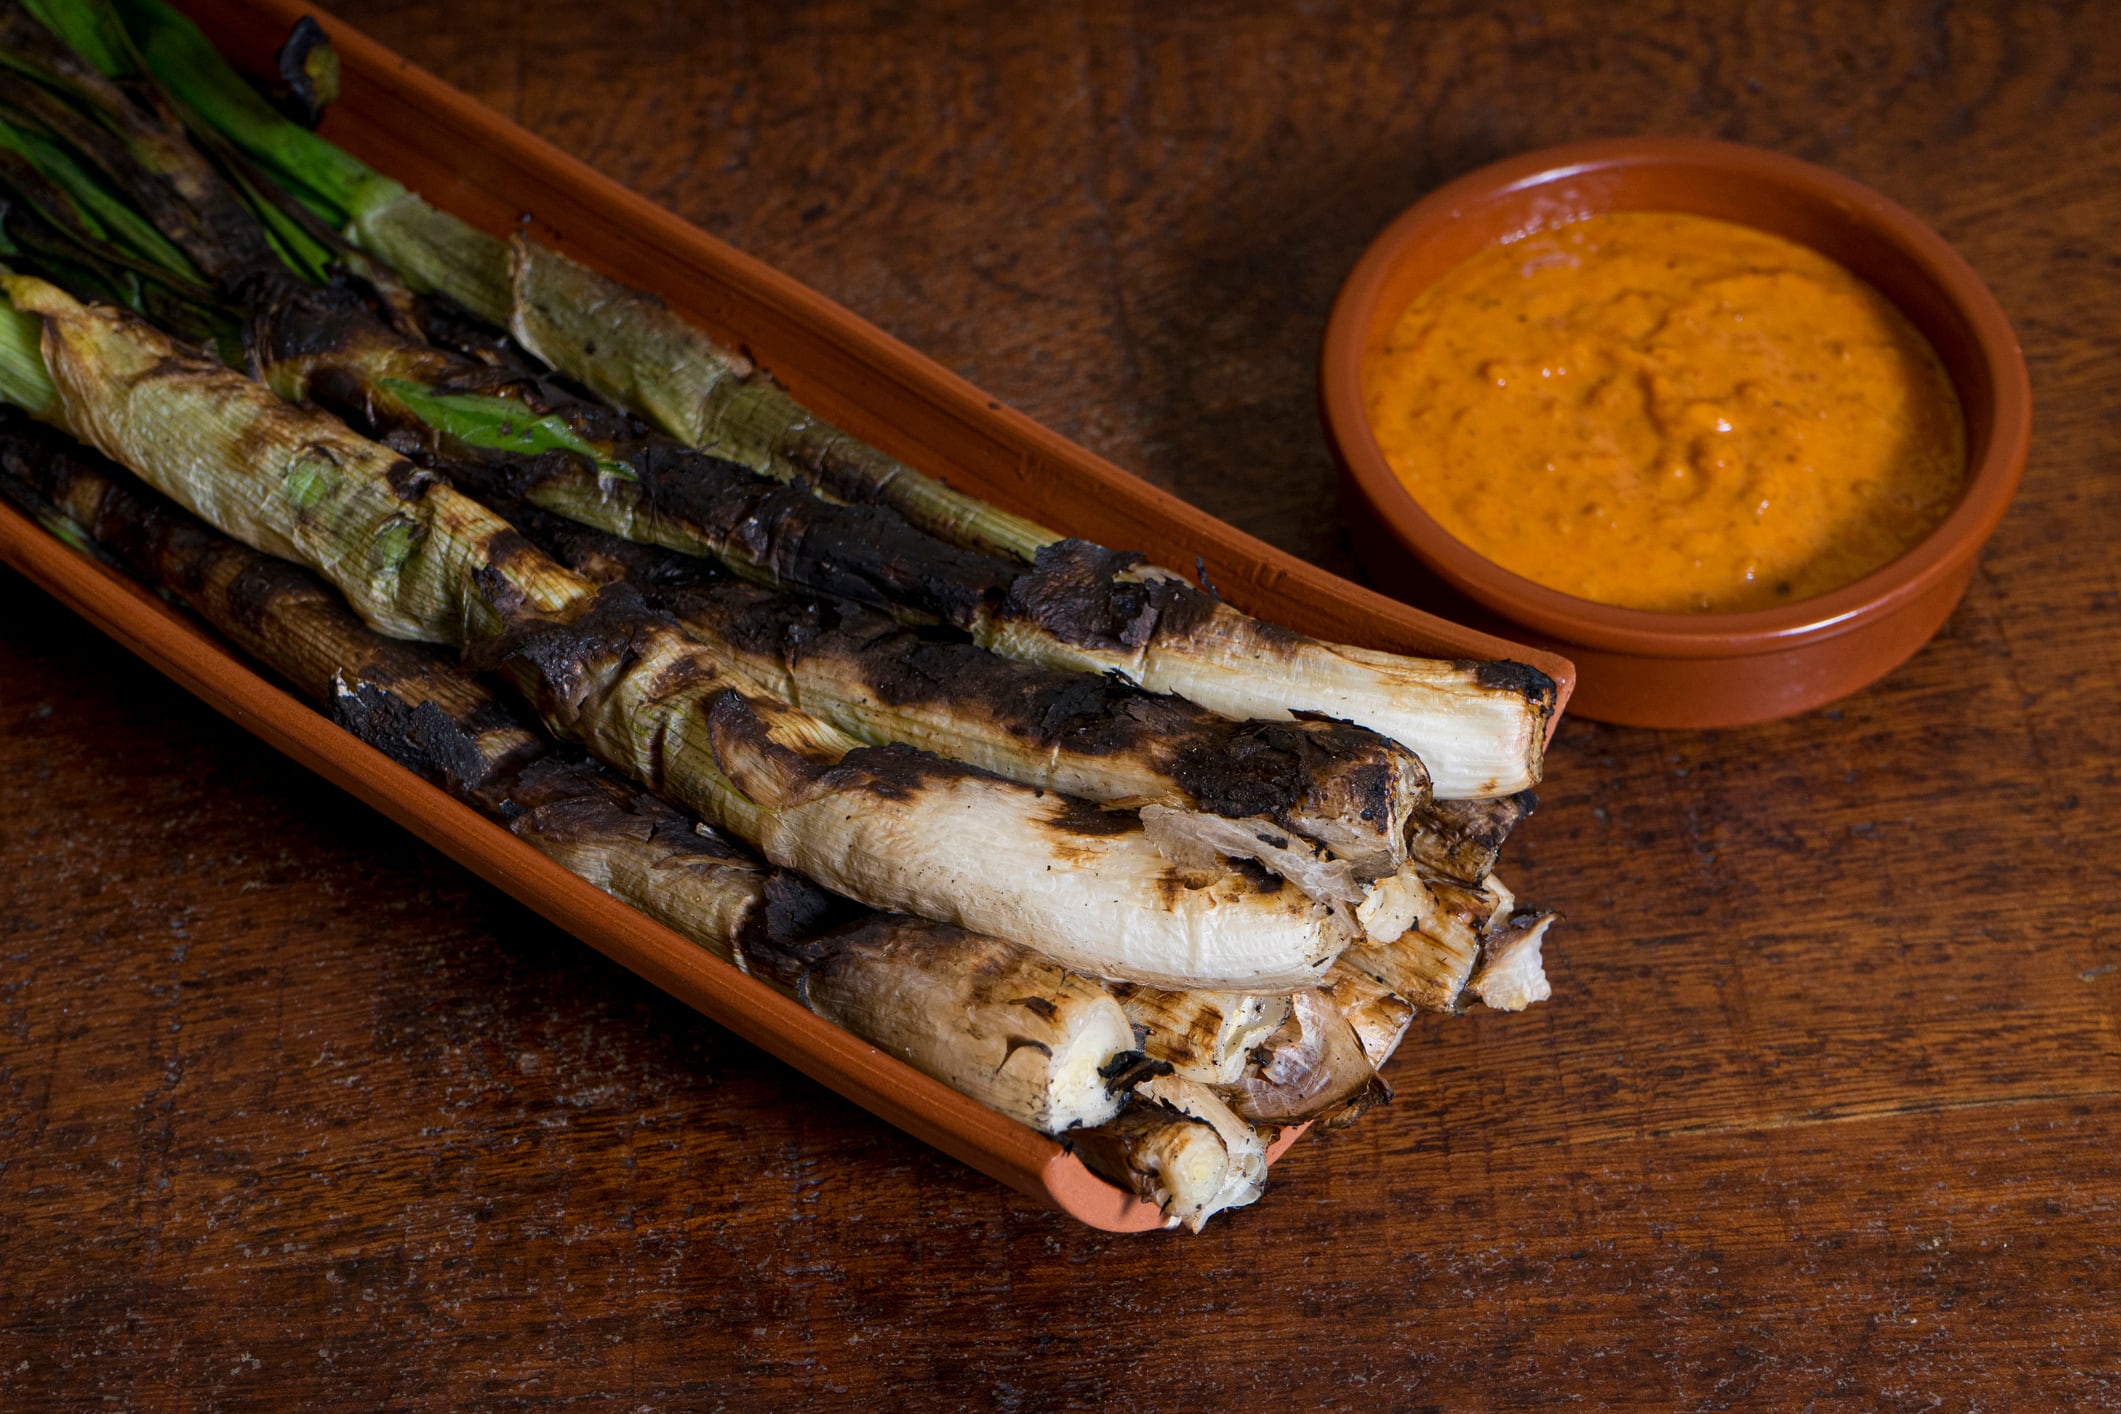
[1663, 411]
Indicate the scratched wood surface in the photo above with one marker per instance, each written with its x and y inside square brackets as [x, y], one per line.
[1823, 1111]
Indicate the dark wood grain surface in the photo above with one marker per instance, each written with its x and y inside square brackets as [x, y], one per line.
[1823, 1113]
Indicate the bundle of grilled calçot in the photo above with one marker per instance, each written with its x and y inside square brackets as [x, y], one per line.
[1050, 823]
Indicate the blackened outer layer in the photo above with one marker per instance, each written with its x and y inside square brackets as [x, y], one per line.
[866, 553]
[1222, 767]
[1462, 839]
[1083, 595]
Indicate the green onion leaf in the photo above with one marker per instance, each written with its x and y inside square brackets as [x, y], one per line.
[498, 424]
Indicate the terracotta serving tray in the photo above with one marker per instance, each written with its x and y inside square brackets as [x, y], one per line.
[490, 172]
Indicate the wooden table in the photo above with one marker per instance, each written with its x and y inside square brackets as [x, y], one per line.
[1823, 1111]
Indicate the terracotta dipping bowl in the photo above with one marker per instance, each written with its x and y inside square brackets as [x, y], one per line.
[1666, 669]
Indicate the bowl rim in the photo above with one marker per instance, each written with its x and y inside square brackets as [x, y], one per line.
[1991, 482]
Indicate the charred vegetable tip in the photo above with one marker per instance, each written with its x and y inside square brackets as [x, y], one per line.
[309, 67]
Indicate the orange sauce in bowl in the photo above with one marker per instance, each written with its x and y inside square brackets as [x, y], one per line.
[1668, 412]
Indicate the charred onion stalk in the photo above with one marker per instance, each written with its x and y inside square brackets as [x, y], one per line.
[1480, 729]
[988, 1018]
[1182, 1148]
[994, 1021]
[1094, 737]
[896, 828]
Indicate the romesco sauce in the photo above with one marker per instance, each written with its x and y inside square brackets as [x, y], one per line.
[1668, 412]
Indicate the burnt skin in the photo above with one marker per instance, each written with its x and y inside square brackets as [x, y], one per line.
[797, 908]
[1526, 681]
[1071, 593]
[579, 800]
[770, 773]
[864, 553]
[1261, 768]
[1130, 1068]
[1079, 593]
[406, 481]
[556, 652]
[293, 321]
[511, 555]
[604, 557]
[447, 324]
[254, 591]
[1083, 818]
[1262, 879]
[892, 772]
[1461, 839]
[1022, 1043]
[904, 668]
[422, 738]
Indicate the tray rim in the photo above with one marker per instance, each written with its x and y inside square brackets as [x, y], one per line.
[175, 645]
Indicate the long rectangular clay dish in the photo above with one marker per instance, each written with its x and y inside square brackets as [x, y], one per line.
[471, 161]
